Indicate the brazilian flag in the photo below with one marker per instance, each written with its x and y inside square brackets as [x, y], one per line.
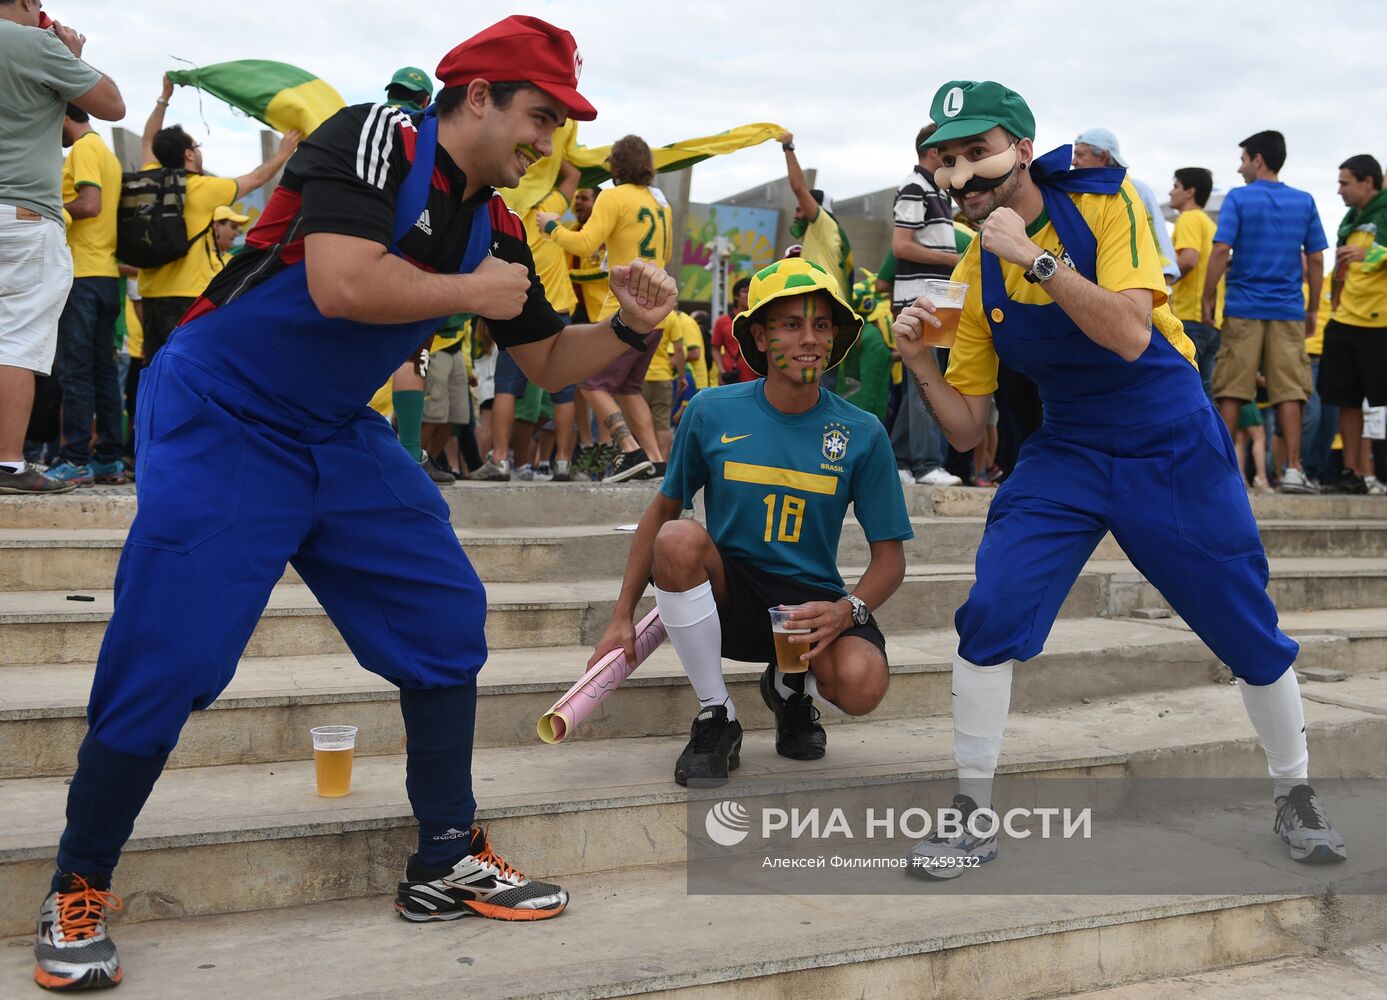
[281, 96]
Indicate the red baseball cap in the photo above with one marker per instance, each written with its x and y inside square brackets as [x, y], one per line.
[522, 48]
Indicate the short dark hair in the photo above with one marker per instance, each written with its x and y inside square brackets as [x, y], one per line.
[169, 146]
[399, 92]
[449, 99]
[632, 161]
[924, 134]
[818, 195]
[1198, 180]
[1270, 145]
[78, 115]
[1364, 166]
[744, 285]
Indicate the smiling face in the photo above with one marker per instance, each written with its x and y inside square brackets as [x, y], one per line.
[797, 335]
[583, 200]
[512, 137]
[978, 205]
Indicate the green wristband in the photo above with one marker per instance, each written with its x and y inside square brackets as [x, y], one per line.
[551, 226]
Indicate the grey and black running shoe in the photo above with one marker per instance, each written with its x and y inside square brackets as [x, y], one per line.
[713, 752]
[1301, 823]
[482, 884]
[947, 857]
[72, 950]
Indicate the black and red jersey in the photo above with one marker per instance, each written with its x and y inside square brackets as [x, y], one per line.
[344, 179]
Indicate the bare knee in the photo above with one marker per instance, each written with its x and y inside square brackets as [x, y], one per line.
[856, 685]
[681, 555]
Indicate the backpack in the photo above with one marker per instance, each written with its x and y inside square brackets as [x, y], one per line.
[150, 231]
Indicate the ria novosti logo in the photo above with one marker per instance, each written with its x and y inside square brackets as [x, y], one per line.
[728, 823]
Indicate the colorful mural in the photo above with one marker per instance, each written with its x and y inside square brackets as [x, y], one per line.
[751, 232]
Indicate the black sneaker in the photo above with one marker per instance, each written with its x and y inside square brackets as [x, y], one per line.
[1350, 483]
[629, 465]
[714, 750]
[72, 950]
[32, 482]
[481, 885]
[798, 734]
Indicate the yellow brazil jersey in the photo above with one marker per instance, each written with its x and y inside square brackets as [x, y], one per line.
[551, 263]
[823, 245]
[134, 330]
[1126, 258]
[188, 276]
[589, 276]
[693, 341]
[1194, 230]
[633, 224]
[1363, 298]
[93, 241]
[1314, 346]
[661, 365]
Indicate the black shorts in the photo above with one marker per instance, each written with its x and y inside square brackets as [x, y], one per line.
[1353, 365]
[745, 615]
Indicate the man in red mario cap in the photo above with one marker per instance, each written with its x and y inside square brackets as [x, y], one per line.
[383, 224]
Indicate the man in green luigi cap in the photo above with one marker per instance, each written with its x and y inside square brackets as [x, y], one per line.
[1065, 286]
[779, 460]
[410, 89]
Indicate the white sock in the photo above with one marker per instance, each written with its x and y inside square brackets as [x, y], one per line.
[811, 688]
[982, 698]
[691, 619]
[1279, 718]
[15, 467]
[785, 688]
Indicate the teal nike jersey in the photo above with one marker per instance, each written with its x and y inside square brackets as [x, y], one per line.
[778, 485]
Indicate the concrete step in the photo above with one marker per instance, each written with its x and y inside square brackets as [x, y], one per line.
[504, 505]
[249, 837]
[75, 558]
[1354, 974]
[45, 626]
[266, 713]
[639, 933]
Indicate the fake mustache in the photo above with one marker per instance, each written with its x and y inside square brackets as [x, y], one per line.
[967, 176]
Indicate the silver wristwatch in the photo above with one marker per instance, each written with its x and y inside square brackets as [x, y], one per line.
[860, 611]
[1043, 269]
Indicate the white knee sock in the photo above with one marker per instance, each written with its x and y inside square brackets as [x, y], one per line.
[1279, 718]
[982, 697]
[691, 619]
[811, 688]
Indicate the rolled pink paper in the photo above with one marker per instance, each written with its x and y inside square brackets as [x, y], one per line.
[604, 677]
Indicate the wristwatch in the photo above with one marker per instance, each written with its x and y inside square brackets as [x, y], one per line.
[860, 611]
[788, 147]
[625, 334]
[1043, 269]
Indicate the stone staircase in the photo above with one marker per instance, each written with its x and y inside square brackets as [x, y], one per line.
[240, 881]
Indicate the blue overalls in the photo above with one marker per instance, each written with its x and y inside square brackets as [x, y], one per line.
[1134, 448]
[257, 451]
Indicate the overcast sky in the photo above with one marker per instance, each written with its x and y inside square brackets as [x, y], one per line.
[1180, 82]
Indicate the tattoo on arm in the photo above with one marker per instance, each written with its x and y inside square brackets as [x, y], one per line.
[924, 398]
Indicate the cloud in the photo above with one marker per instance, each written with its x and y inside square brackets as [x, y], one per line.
[1179, 82]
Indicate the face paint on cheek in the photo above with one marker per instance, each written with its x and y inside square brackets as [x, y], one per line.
[774, 349]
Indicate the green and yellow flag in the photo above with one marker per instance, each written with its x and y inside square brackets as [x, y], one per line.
[281, 96]
[539, 180]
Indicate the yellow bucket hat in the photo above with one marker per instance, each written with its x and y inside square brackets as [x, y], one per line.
[785, 279]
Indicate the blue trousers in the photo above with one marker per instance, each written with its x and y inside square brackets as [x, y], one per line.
[1171, 495]
[916, 439]
[87, 371]
[228, 495]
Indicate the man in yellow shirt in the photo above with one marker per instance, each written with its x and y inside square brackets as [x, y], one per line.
[633, 220]
[170, 290]
[1065, 286]
[86, 331]
[1193, 242]
[822, 240]
[664, 380]
[1354, 364]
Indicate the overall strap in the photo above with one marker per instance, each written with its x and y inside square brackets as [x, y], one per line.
[1073, 230]
[413, 197]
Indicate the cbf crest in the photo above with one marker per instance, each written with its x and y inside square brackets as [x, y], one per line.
[835, 447]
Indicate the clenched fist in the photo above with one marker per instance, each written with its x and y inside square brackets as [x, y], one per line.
[647, 294]
[498, 289]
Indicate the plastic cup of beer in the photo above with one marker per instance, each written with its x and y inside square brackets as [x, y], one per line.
[787, 654]
[947, 297]
[332, 759]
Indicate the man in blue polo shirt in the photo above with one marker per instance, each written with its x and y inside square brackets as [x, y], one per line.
[1266, 226]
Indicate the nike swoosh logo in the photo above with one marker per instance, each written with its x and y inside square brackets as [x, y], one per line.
[729, 440]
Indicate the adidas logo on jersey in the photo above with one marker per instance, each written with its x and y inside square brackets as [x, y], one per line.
[453, 833]
[424, 224]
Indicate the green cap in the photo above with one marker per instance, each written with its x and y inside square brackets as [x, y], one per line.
[968, 107]
[414, 78]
